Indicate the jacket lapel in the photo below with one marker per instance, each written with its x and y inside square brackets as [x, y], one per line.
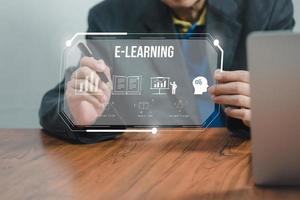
[158, 18]
[223, 23]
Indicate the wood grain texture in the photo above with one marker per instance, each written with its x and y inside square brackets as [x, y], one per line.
[184, 164]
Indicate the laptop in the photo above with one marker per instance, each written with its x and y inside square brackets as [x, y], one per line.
[274, 64]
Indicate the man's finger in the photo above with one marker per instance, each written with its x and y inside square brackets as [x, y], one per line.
[83, 72]
[82, 84]
[107, 72]
[96, 65]
[88, 89]
[106, 88]
[242, 114]
[233, 100]
[230, 88]
[84, 97]
[232, 76]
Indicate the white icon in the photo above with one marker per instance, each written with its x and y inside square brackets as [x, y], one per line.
[110, 106]
[200, 85]
[179, 105]
[160, 83]
[174, 87]
[90, 84]
[142, 106]
[127, 85]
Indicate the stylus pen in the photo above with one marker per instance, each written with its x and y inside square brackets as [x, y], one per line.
[85, 51]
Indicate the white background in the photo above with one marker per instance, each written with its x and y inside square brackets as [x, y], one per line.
[32, 36]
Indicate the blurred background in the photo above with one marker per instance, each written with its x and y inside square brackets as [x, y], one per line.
[32, 38]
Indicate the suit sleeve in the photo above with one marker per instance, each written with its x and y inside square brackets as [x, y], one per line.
[49, 116]
[53, 124]
[282, 16]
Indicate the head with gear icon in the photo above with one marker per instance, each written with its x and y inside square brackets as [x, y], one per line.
[200, 85]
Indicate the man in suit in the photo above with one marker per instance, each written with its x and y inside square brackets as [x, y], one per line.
[230, 21]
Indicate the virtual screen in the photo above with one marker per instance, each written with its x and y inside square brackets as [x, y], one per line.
[155, 81]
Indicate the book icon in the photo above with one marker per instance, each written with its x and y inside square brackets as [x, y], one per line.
[127, 85]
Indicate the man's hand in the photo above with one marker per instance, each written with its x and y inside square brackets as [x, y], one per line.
[233, 90]
[86, 107]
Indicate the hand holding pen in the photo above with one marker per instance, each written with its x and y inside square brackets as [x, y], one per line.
[89, 90]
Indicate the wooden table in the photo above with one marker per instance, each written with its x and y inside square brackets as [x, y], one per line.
[181, 164]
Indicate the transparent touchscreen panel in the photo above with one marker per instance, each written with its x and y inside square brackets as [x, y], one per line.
[141, 81]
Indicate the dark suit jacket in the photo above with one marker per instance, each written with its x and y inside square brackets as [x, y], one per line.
[230, 21]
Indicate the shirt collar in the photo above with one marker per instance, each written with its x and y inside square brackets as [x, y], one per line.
[185, 25]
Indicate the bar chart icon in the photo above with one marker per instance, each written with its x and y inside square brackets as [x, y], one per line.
[159, 84]
[89, 85]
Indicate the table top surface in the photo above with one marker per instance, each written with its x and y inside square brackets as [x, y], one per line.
[173, 164]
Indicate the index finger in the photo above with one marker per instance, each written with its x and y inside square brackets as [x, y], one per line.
[232, 76]
[96, 65]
